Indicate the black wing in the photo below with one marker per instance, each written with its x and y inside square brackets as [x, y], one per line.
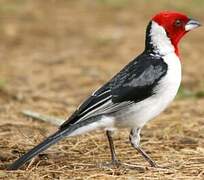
[137, 80]
[132, 84]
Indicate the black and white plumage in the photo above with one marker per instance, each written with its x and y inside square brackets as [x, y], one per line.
[123, 90]
[137, 94]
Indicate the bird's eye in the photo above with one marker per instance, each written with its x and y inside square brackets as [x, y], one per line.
[178, 23]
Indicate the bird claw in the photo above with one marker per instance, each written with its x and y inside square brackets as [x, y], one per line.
[117, 164]
[134, 167]
[112, 164]
[160, 167]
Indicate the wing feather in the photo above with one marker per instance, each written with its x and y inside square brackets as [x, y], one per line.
[132, 84]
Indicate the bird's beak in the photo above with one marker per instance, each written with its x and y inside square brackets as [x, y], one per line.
[192, 24]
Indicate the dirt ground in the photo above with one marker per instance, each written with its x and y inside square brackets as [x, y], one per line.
[55, 53]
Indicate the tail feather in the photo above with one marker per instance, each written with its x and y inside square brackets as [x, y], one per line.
[57, 136]
[61, 133]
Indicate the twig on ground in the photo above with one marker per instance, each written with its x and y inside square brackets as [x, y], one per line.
[51, 119]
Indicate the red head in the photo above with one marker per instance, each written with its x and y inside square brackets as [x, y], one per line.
[175, 24]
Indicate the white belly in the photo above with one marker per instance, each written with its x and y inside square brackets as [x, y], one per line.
[166, 90]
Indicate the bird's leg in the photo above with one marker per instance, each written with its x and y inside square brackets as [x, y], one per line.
[135, 141]
[115, 161]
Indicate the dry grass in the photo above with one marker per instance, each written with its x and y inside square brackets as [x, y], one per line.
[54, 53]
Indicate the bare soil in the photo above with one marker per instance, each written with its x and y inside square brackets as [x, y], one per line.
[55, 53]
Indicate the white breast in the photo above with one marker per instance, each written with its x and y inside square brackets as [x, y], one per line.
[165, 91]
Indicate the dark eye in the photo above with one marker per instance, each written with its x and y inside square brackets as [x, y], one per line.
[178, 23]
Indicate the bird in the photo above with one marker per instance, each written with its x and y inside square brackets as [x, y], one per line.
[135, 95]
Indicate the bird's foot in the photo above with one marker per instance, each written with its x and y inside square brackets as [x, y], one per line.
[115, 163]
[143, 168]
[112, 164]
[118, 164]
[153, 164]
[134, 167]
[159, 167]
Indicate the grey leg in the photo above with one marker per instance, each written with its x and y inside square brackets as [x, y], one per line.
[135, 141]
[112, 149]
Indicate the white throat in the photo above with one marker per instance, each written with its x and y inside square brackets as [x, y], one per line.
[160, 41]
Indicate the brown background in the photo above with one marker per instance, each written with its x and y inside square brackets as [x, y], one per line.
[55, 53]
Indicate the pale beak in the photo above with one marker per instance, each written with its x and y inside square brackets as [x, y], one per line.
[192, 24]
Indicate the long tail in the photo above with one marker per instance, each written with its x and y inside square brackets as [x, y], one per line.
[61, 133]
